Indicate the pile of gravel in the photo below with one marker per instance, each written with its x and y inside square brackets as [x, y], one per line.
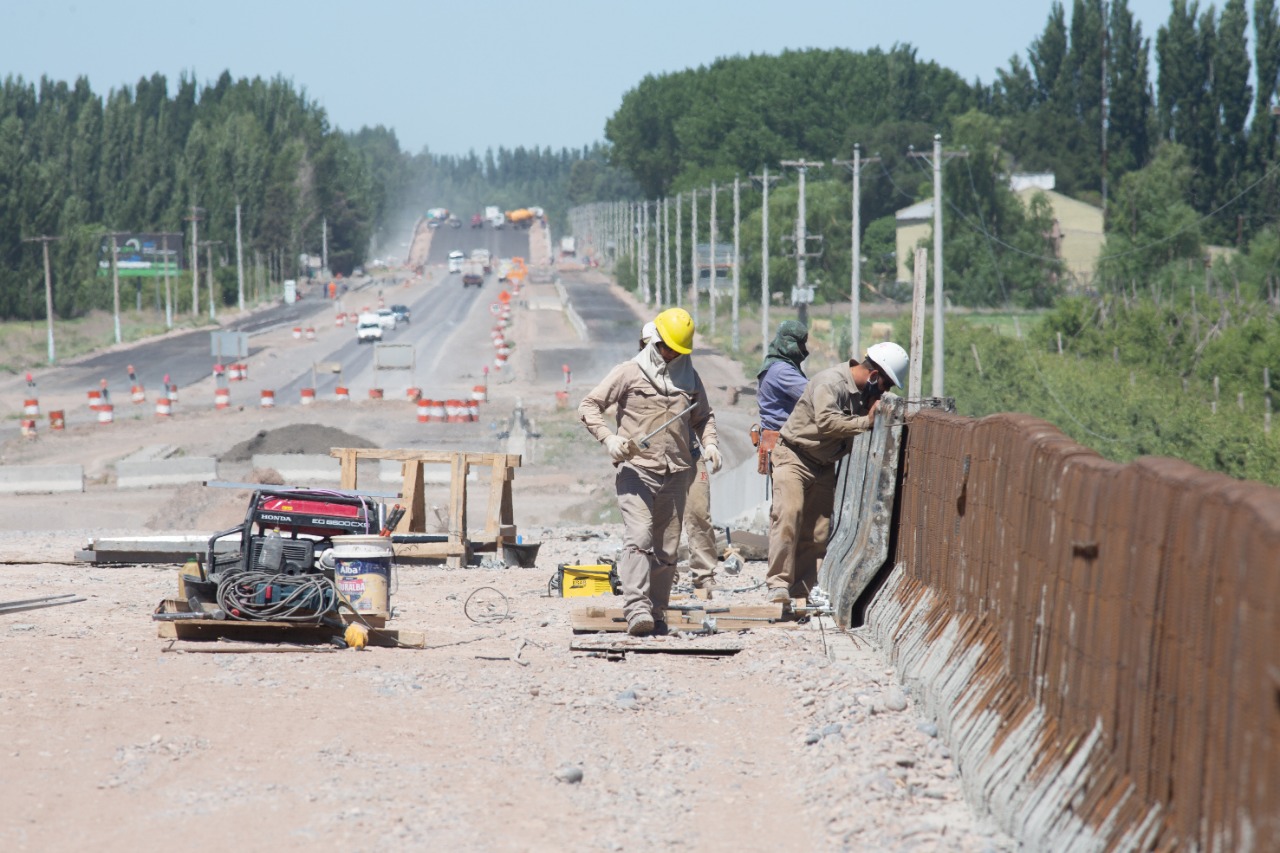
[299, 438]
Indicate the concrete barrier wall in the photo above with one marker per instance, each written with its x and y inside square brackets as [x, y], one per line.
[1099, 643]
[165, 472]
[40, 479]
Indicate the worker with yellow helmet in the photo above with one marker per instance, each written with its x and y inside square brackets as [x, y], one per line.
[661, 404]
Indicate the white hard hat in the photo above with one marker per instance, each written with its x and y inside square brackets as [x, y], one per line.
[890, 358]
[649, 334]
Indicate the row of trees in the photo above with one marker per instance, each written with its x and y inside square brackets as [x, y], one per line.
[1189, 155]
[76, 164]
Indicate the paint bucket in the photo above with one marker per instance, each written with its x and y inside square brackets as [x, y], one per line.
[28, 427]
[137, 394]
[106, 413]
[362, 572]
[413, 394]
[57, 420]
[31, 407]
[163, 407]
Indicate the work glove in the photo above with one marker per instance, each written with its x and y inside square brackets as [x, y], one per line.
[620, 449]
[711, 454]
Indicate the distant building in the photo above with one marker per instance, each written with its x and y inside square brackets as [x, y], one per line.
[1077, 235]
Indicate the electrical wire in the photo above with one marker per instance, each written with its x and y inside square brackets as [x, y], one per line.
[303, 598]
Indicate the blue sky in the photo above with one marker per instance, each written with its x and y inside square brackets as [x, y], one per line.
[468, 74]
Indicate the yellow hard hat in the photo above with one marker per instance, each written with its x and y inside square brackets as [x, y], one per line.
[675, 327]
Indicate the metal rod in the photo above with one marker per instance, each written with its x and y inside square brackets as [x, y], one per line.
[6, 610]
[4, 604]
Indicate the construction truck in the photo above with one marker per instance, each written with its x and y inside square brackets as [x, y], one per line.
[483, 257]
[520, 218]
[493, 215]
[472, 273]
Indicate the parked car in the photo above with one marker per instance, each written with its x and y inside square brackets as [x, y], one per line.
[401, 312]
[387, 318]
[369, 329]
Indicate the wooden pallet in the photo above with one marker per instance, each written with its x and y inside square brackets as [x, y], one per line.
[500, 527]
[615, 648]
[738, 617]
[271, 632]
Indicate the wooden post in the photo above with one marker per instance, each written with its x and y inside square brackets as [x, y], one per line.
[1059, 343]
[458, 511]
[976, 360]
[1266, 398]
[349, 469]
[916, 369]
[415, 516]
[1215, 395]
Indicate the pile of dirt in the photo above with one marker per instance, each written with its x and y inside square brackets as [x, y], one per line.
[299, 438]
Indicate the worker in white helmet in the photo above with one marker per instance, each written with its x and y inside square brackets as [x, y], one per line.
[658, 394]
[838, 404]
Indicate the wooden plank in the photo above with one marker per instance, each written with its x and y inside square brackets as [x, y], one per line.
[492, 516]
[599, 618]
[277, 632]
[434, 457]
[458, 510]
[348, 461]
[415, 517]
[660, 645]
[428, 549]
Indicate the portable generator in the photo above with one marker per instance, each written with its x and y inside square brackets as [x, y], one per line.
[276, 573]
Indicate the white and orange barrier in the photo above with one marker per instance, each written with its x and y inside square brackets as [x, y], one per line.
[106, 413]
[267, 399]
[164, 408]
[31, 407]
[375, 393]
[308, 396]
[424, 411]
[341, 394]
[138, 394]
[221, 398]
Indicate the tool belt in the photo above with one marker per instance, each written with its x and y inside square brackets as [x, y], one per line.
[764, 451]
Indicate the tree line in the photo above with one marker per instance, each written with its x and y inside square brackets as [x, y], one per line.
[1205, 114]
[75, 164]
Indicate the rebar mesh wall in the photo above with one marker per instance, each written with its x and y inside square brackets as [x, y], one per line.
[1134, 607]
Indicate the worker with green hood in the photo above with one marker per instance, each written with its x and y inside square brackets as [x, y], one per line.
[781, 382]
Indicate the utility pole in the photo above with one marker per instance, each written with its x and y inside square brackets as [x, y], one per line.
[801, 298]
[644, 251]
[938, 157]
[45, 240]
[115, 280]
[711, 286]
[666, 251]
[765, 296]
[855, 280]
[679, 253]
[239, 262]
[194, 219]
[168, 288]
[1106, 107]
[737, 256]
[693, 256]
[324, 245]
[208, 258]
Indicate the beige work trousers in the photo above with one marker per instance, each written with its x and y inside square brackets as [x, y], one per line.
[698, 531]
[799, 522]
[651, 506]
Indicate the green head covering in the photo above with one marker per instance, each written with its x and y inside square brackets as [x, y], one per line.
[788, 345]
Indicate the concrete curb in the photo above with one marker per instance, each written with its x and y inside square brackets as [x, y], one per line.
[574, 319]
[297, 467]
[165, 472]
[41, 479]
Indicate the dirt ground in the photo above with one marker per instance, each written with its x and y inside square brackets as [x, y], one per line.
[495, 737]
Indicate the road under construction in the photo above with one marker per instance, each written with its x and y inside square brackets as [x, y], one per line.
[1024, 645]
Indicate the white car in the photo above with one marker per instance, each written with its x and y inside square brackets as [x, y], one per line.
[455, 261]
[387, 318]
[369, 329]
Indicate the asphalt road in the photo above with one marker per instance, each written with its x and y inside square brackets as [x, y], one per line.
[502, 243]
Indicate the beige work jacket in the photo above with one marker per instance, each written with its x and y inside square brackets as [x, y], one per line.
[830, 412]
[642, 407]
